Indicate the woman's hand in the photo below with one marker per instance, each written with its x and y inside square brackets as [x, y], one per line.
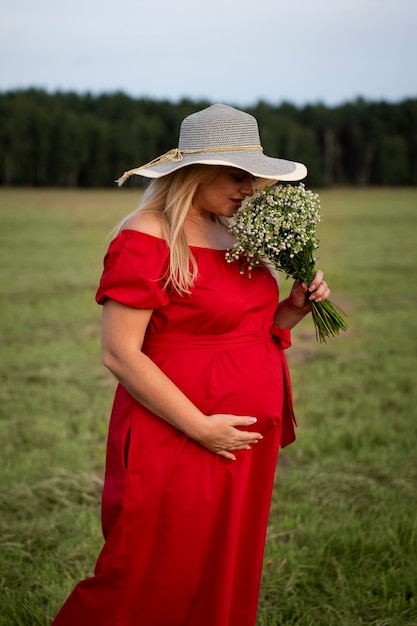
[292, 310]
[220, 434]
[317, 291]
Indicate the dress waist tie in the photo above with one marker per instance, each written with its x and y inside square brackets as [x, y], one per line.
[173, 341]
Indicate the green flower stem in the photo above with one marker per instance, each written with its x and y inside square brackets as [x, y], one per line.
[327, 317]
[327, 320]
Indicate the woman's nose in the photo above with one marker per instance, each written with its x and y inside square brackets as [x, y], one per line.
[247, 186]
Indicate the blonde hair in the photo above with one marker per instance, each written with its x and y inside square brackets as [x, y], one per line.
[169, 198]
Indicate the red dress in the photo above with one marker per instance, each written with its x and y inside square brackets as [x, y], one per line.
[185, 528]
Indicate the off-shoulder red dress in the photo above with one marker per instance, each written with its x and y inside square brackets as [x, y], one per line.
[185, 528]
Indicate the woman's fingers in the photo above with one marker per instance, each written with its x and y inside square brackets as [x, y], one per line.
[242, 420]
[245, 437]
[318, 278]
[318, 288]
[321, 293]
[226, 433]
[227, 455]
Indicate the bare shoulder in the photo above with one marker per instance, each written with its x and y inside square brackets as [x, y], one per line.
[147, 223]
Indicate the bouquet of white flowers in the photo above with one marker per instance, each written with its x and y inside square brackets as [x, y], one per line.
[277, 227]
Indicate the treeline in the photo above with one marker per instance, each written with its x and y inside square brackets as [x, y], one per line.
[70, 139]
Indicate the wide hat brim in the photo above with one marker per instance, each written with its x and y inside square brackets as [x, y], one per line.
[257, 164]
[220, 135]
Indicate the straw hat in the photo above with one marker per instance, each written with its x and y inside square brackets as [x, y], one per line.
[220, 135]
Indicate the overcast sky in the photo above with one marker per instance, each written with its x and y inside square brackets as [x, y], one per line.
[231, 51]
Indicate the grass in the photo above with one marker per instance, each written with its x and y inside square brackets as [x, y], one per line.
[342, 540]
[343, 533]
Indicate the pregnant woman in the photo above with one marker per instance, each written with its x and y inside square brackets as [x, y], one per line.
[204, 399]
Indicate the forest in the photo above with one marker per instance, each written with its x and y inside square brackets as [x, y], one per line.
[66, 139]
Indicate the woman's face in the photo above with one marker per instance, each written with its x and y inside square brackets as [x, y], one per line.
[224, 195]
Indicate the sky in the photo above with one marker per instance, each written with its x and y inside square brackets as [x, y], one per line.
[236, 52]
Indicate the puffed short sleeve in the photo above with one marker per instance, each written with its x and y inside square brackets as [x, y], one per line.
[135, 270]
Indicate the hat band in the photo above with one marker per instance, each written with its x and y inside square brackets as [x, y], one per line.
[177, 155]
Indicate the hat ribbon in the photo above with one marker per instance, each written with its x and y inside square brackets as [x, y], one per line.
[177, 155]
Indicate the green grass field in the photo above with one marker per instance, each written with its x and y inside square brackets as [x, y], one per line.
[342, 540]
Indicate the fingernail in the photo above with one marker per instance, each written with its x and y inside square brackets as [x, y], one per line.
[252, 420]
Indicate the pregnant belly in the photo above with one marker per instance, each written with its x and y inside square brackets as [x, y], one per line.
[241, 380]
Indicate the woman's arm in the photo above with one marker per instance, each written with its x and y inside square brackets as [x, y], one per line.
[123, 331]
[292, 310]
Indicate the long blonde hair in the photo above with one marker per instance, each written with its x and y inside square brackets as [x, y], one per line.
[169, 198]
